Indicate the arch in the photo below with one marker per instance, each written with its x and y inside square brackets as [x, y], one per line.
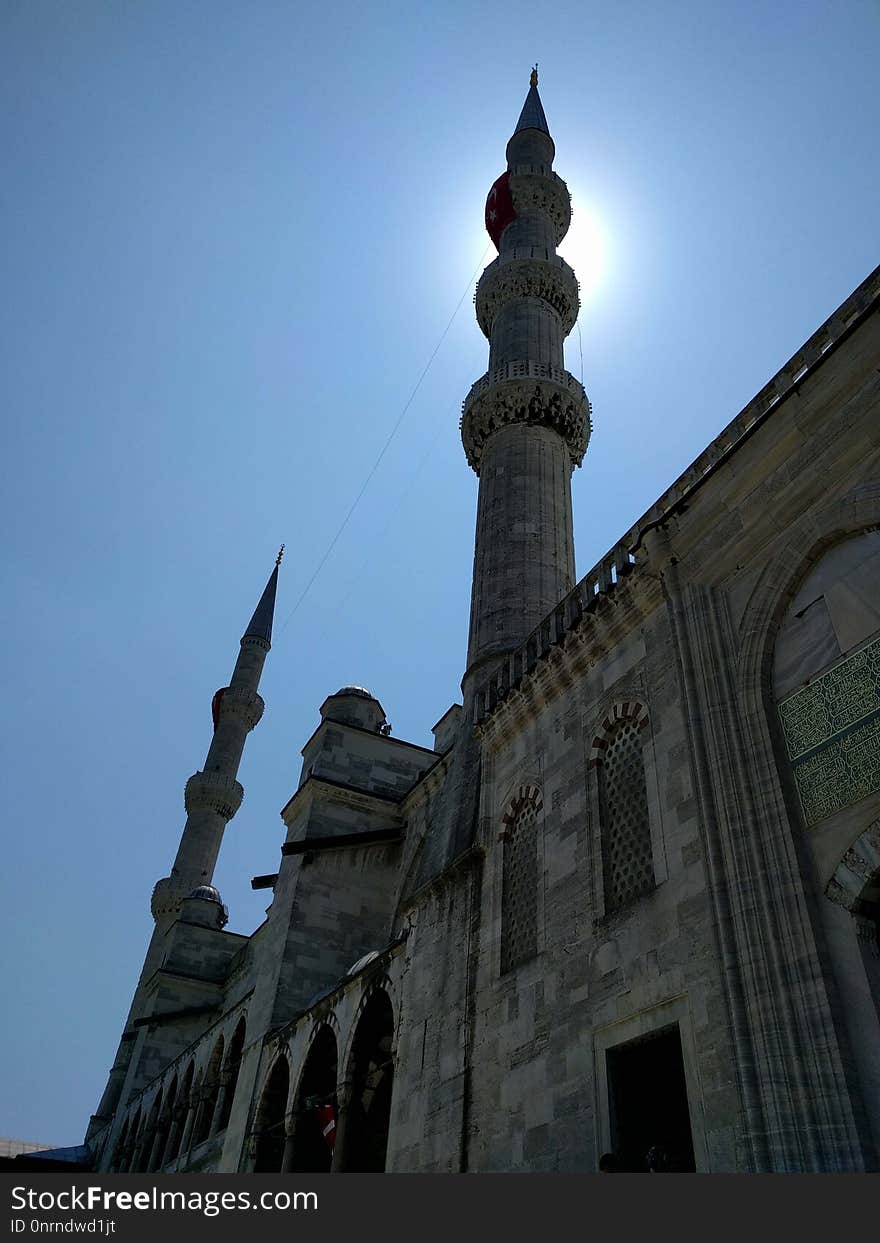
[315, 1108]
[781, 934]
[269, 1129]
[231, 1068]
[208, 1094]
[167, 1122]
[181, 1110]
[135, 1141]
[371, 1084]
[153, 1143]
[119, 1152]
[519, 877]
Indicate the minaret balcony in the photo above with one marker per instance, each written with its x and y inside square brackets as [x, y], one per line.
[242, 705]
[207, 791]
[528, 272]
[532, 393]
[533, 187]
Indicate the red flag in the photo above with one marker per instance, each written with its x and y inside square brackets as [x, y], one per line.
[215, 704]
[327, 1123]
[499, 208]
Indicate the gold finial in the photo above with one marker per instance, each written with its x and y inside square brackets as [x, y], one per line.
[280, 555]
[533, 80]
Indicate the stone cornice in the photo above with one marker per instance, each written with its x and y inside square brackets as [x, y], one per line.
[590, 622]
[533, 393]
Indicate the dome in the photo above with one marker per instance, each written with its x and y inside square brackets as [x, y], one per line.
[209, 893]
[361, 691]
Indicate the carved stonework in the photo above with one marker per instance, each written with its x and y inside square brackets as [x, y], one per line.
[556, 401]
[533, 189]
[213, 792]
[553, 281]
[832, 733]
[244, 704]
[167, 897]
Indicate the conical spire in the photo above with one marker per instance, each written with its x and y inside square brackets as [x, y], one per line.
[532, 115]
[260, 625]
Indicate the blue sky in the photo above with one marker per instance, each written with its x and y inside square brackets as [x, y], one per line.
[232, 236]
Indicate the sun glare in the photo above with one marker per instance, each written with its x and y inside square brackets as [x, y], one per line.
[586, 247]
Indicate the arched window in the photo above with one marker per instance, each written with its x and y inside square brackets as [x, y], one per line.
[270, 1120]
[153, 1143]
[519, 879]
[314, 1133]
[230, 1075]
[210, 1090]
[371, 1070]
[627, 850]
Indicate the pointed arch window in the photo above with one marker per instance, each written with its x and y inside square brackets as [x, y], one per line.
[519, 880]
[627, 850]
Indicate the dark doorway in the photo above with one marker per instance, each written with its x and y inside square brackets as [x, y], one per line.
[372, 1078]
[647, 1096]
[313, 1150]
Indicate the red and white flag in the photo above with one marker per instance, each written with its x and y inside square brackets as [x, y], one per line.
[327, 1123]
[499, 208]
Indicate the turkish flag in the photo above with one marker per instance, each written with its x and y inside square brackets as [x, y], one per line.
[215, 704]
[327, 1123]
[499, 208]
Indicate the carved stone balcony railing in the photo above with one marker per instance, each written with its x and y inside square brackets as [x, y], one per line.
[518, 273]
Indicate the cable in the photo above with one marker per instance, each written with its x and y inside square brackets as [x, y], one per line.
[387, 444]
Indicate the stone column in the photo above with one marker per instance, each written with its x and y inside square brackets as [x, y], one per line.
[289, 1131]
[188, 1127]
[344, 1092]
[220, 1104]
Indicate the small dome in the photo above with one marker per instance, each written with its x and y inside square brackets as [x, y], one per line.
[361, 691]
[209, 893]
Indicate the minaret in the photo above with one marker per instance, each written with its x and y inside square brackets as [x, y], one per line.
[212, 796]
[526, 422]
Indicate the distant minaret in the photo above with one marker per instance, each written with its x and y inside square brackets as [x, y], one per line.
[526, 423]
[212, 797]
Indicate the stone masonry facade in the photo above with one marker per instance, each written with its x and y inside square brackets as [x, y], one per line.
[630, 901]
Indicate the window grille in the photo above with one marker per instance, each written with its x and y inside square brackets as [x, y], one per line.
[519, 892]
[627, 856]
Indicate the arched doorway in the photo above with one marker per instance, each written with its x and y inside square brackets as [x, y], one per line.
[316, 1098]
[372, 1081]
[269, 1130]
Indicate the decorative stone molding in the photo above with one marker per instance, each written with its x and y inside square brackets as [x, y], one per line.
[246, 705]
[526, 796]
[633, 711]
[526, 392]
[533, 187]
[550, 280]
[213, 792]
[856, 878]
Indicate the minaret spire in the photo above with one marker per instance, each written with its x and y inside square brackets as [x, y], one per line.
[526, 422]
[213, 795]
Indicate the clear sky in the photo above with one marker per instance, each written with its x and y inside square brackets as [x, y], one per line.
[232, 236]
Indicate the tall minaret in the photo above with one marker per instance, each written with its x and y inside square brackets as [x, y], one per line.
[212, 797]
[526, 423]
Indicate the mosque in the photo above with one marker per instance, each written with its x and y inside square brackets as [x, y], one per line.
[629, 901]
